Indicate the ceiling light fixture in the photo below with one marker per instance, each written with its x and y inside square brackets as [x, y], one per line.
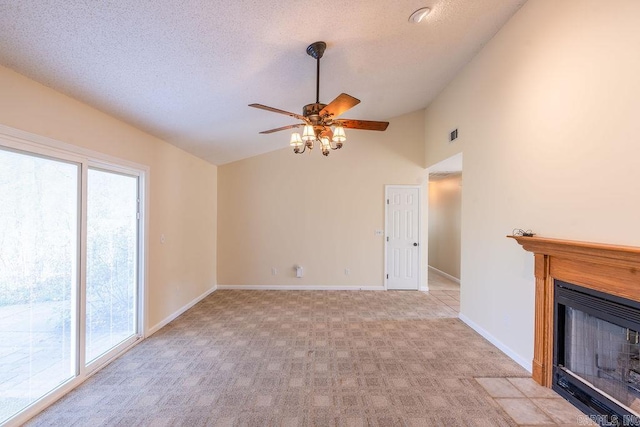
[318, 132]
[417, 16]
[325, 137]
[320, 122]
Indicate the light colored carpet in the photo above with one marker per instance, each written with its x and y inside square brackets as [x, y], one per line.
[298, 358]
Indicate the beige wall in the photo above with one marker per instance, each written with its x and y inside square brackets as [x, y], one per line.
[182, 187]
[445, 197]
[548, 120]
[280, 209]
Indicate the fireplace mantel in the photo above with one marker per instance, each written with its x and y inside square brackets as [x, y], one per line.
[606, 268]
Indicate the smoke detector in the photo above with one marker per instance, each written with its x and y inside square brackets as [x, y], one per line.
[419, 15]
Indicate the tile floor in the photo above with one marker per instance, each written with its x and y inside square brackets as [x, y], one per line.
[299, 358]
[530, 404]
[444, 290]
[450, 298]
[439, 282]
[280, 356]
[525, 401]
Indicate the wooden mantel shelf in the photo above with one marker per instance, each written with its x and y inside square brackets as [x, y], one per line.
[612, 269]
[600, 251]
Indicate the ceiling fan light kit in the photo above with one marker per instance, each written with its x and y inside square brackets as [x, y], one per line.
[308, 133]
[320, 121]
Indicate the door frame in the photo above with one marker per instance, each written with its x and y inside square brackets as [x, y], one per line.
[450, 164]
[88, 367]
[386, 231]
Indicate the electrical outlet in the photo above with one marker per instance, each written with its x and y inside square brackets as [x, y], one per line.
[274, 271]
[378, 232]
[347, 271]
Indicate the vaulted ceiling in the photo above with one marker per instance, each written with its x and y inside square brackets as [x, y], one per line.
[186, 70]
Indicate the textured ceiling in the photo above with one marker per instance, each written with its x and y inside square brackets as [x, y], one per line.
[186, 70]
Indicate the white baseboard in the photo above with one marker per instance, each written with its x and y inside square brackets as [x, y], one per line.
[181, 310]
[301, 288]
[526, 364]
[448, 276]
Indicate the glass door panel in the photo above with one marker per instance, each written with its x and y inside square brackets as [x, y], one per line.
[39, 206]
[112, 242]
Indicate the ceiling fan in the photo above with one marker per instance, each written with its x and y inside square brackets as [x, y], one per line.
[318, 119]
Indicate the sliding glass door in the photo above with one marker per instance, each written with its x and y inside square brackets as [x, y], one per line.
[39, 208]
[112, 274]
[69, 271]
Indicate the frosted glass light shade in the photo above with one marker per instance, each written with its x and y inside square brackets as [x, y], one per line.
[326, 147]
[339, 135]
[308, 134]
[295, 141]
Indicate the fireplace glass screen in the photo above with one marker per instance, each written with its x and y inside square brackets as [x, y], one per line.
[603, 354]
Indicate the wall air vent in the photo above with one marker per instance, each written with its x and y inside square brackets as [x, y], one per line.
[453, 135]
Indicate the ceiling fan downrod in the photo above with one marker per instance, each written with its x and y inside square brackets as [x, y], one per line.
[316, 50]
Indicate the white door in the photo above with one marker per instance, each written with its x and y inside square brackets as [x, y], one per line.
[403, 237]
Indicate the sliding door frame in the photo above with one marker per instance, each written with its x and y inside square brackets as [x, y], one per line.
[32, 144]
[87, 367]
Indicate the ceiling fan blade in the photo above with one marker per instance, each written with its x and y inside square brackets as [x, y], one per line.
[363, 124]
[282, 128]
[276, 110]
[342, 103]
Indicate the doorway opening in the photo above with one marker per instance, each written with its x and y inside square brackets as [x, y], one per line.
[444, 190]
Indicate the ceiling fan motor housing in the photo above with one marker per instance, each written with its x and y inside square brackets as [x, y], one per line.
[312, 112]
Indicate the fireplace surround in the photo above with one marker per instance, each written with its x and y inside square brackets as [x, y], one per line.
[601, 272]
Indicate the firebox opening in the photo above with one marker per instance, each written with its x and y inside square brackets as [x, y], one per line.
[597, 353]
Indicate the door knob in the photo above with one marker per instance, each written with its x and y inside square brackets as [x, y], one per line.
[415, 244]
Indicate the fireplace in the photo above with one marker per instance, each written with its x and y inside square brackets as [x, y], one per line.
[596, 353]
[587, 319]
